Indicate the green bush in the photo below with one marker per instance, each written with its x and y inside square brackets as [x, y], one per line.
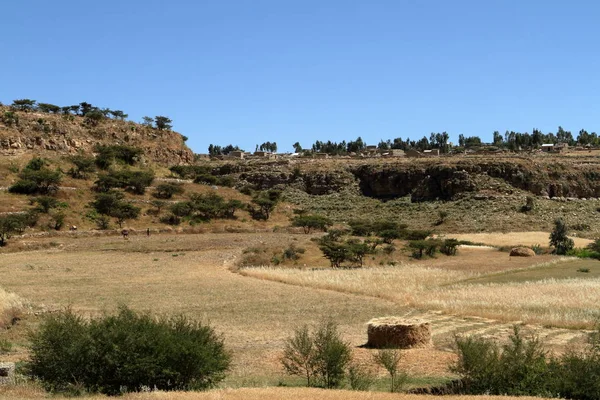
[584, 253]
[125, 352]
[83, 165]
[423, 247]
[579, 373]
[107, 155]
[321, 357]
[170, 219]
[310, 222]
[359, 377]
[167, 190]
[264, 204]
[338, 250]
[36, 178]
[204, 207]
[519, 368]
[133, 181]
[14, 223]
[390, 360]
[206, 179]
[449, 247]
[112, 204]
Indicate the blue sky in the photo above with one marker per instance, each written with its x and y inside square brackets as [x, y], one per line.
[250, 71]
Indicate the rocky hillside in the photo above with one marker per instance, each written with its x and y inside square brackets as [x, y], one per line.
[431, 179]
[32, 132]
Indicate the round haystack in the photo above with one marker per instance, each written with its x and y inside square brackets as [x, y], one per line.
[522, 252]
[398, 333]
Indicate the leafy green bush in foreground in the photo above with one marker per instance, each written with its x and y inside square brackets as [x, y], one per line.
[125, 352]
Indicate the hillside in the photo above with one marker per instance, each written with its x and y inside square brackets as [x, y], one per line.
[28, 133]
[473, 194]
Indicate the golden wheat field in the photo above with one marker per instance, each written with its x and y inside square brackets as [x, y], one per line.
[481, 290]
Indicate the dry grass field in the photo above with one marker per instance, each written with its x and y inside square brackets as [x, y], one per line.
[513, 238]
[255, 309]
[258, 394]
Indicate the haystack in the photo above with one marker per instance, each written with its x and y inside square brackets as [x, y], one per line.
[398, 333]
[522, 252]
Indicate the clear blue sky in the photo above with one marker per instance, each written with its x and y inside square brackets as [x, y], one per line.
[250, 71]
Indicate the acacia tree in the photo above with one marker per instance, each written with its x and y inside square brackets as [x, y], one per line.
[309, 222]
[11, 224]
[83, 165]
[163, 123]
[23, 105]
[265, 202]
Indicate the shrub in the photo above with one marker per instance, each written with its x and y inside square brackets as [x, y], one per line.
[309, 222]
[390, 360]
[321, 356]
[57, 220]
[170, 219]
[559, 239]
[107, 155]
[36, 178]
[125, 352]
[416, 234]
[133, 181]
[112, 204]
[518, 368]
[418, 247]
[338, 251]
[83, 165]
[537, 249]
[167, 190]
[581, 227]
[46, 203]
[11, 224]
[293, 253]
[584, 253]
[442, 216]
[159, 205]
[190, 171]
[206, 179]
[529, 204]
[449, 247]
[595, 245]
[359, 377]
[265, 203]
[10, 118]
[579, 372]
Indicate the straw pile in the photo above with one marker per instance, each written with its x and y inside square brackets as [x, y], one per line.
[522, 252]
[11, 308]
[398, 333]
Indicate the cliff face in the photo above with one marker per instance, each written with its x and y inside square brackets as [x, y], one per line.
[434, 179]
[39, 133]
[447, 179]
